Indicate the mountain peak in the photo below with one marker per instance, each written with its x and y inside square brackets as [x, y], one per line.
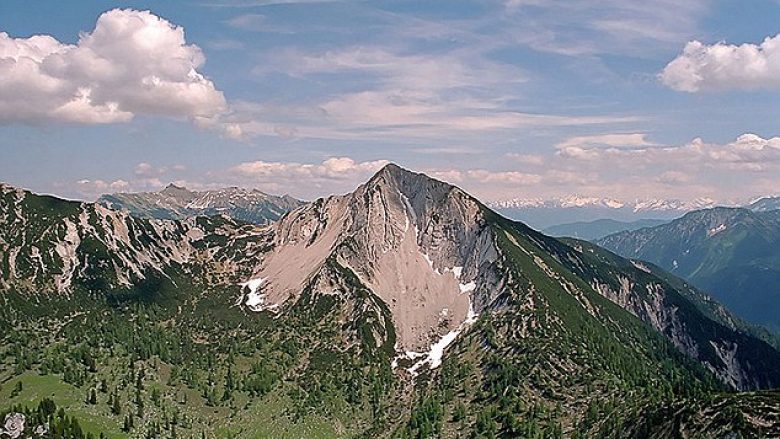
[392, 171]
[173, 190]
[412, 185]
[410, 239]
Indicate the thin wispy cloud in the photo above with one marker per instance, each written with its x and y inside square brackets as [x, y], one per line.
[582, 27]
[248, 22]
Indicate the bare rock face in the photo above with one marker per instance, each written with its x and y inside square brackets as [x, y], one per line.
[420, 245]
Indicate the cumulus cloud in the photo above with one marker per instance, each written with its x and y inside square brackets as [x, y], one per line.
[721, 67]
[144, 169]
[484, 176]
[619, 165]
[629, 166]
[748, 152]
[132, 63]
[584, 147]
[332, 168]
[91, 189]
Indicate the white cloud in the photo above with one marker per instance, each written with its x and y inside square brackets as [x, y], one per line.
[721, 66]
[91, 189]
[621, 166]
[132, 63]
[247, 22]
[587, 27]
[527, 159]
[584, 147]
[332, 168]
[629, 166]
[144, 169]
[748, 152]
[333, 175]
[103, 185]
[405, 71]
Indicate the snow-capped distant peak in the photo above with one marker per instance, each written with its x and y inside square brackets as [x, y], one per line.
[576, 201]
[569, 201]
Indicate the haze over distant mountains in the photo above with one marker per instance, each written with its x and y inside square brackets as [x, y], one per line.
[592, 230]
[545, 213]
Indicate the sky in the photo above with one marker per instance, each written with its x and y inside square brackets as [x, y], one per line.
[623, 99]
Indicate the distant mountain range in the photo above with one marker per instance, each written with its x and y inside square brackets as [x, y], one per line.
[765, 204]
[732, 253]
[569, 202]
[592, 230]
[545, 213]
[406, 308]
[542, 214]
[176, 202]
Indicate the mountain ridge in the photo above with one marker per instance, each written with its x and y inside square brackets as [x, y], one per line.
[176, 202]
[591, 230]
[336, 314]
[729, 252]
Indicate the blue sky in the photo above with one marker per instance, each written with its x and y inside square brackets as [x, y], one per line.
[518, 98]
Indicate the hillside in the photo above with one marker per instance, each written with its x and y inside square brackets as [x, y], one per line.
[593, 230]
[403, 309]
[730, 253]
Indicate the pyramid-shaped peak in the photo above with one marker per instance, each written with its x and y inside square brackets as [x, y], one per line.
[408, 182]
[394, 171]
[173, 190]
[173, 186]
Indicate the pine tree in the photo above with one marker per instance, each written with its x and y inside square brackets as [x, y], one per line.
[116, 407]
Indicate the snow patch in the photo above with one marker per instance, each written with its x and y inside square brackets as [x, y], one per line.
[641, 266]
[434, 356]
[465, 288]
[255, 299]
[715, 230]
